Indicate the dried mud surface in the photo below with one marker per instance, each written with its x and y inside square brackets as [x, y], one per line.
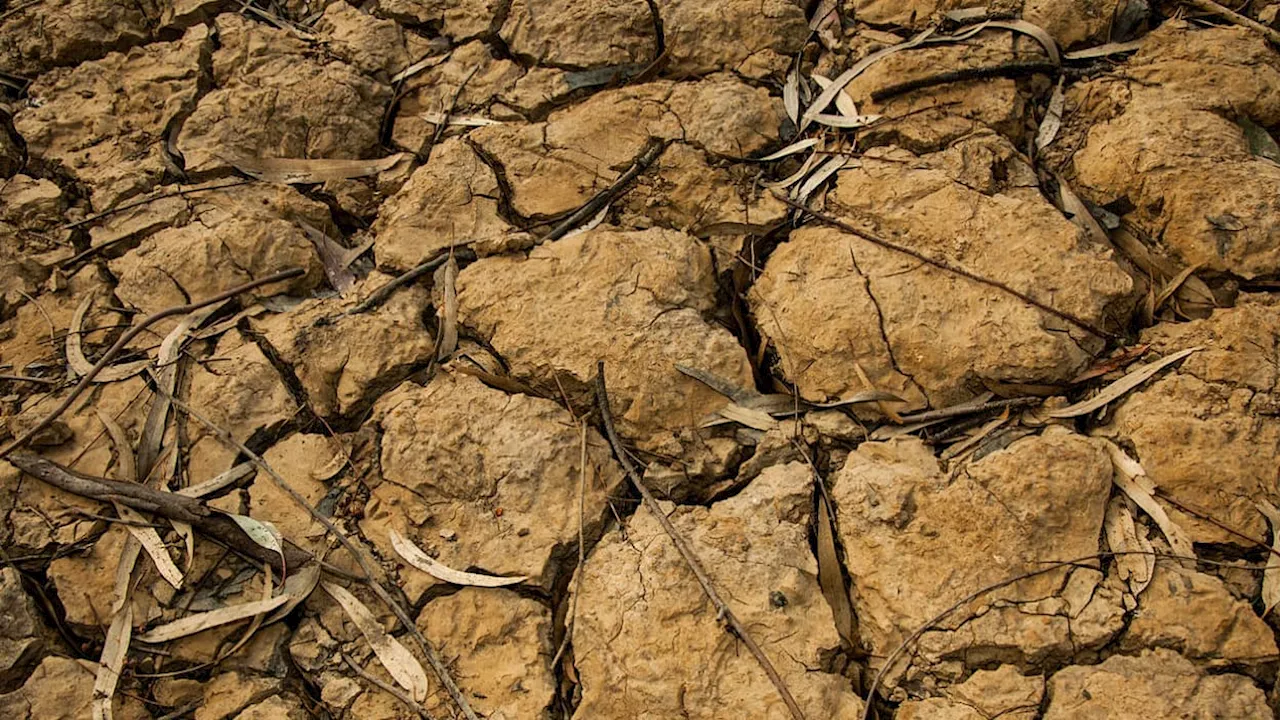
[1018, 231]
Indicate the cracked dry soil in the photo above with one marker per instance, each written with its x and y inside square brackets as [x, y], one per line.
[776, 376]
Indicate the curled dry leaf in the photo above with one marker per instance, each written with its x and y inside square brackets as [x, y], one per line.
[829, 93]
[114, 650]
[791, 149]
[830, 577]
[829, 168]
[397, 659]
[845, 121]
[796, 176]
[1034, 31]
[298, 587]
[791, 95]
[1132, 480]
[844, 104]
[1073, 206]
[449, 312]
[151, 542]
[198, 622]
[733, 412]
[1271, 576]
[302, 171]
[75, 351]
[1052, 122]
[1118, 388]
[591, 224]
[414, 555]
[261, 532]
[1135, 562]
[1103, 50]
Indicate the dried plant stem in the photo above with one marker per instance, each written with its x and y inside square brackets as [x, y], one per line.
[128, 337]
[651, 151]
[690, 558]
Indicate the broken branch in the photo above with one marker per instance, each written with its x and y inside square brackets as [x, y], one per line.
[686, 552]
[1232, 16]
[127, 338]
[383, 293]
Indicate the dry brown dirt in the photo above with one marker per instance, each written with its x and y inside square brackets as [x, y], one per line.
[994, 432]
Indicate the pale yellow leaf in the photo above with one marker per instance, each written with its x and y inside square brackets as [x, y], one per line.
[1134, 560]
[1133, 481]
[293, 171]
[414, 555]
[114, 650]
[398, 661]
[151, 542]
[198, 622]
[1118, 388]
[1271, 576]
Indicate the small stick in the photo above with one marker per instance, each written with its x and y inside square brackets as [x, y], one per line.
[1232, 16]
[961, 410]
[128, 337]
[141, 201]
[383, 293]
[948, 267]
[651, 151]
[28, 378]
[1014, 68]
[425, 154]
[387, 688]
[690, 558]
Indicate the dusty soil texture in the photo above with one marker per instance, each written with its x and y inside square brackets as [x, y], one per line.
[941, 341]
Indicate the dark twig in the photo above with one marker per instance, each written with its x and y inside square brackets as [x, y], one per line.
[386, 687]
[651, 151]
[369, 579]
[28, 378]
[1013, 68]
[1200, 513]
[141, 201]
[383, 293]
[961, 410]
[948, 267]
[128, 337]
[690, 558]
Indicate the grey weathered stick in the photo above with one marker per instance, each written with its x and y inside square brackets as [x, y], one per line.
[948, 267]
[128, 337]
[651, 151]
[383, 293]
[961, 410]
[1014, 68]
[208, 521]
[686, 552]
[369, 579]
[28, 378]
[1232, 16]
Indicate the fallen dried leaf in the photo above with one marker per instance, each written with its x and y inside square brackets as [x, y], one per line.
[844, 104]
[261, 532]
[414, 555]
[1052, 122]
[1118, 388]
[1133, 481]
[75, 351]
[449, 310]
[830, 577]
[829, 168]
[1271, 576]
[845, 121]
[111, 662]
[332, 257]
[1103, 50]
[749, 417]
[829, 93]
[397, 659]
[791, 149]
[298, 171]
[1135, 562]
[198, 622]
[791, 95]
[1078, 213]
[151, 542]
[298, 587]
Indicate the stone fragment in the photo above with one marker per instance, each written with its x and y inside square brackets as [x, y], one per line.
[501, 471]
[37, 36]
[755, 548]
[1004, 693]
[22, 633]
[636, 300]
[1155, 684]
[1205, 431]
[917, 540]
[274, 99]
[104, 122]
[703, 38]
[829, 301]
[608, 32]
[62, 689]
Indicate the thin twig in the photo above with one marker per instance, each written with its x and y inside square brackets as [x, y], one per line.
[128, 337]
[1200, 513]
[141, 201]
[425, 153]
[386, 687]
[648, 154]
[383, 293]
[970, 409]
[369, 579]
[1232, 16]
[1013, 68]
[948, 267]
[690, 558]
[28, 378]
